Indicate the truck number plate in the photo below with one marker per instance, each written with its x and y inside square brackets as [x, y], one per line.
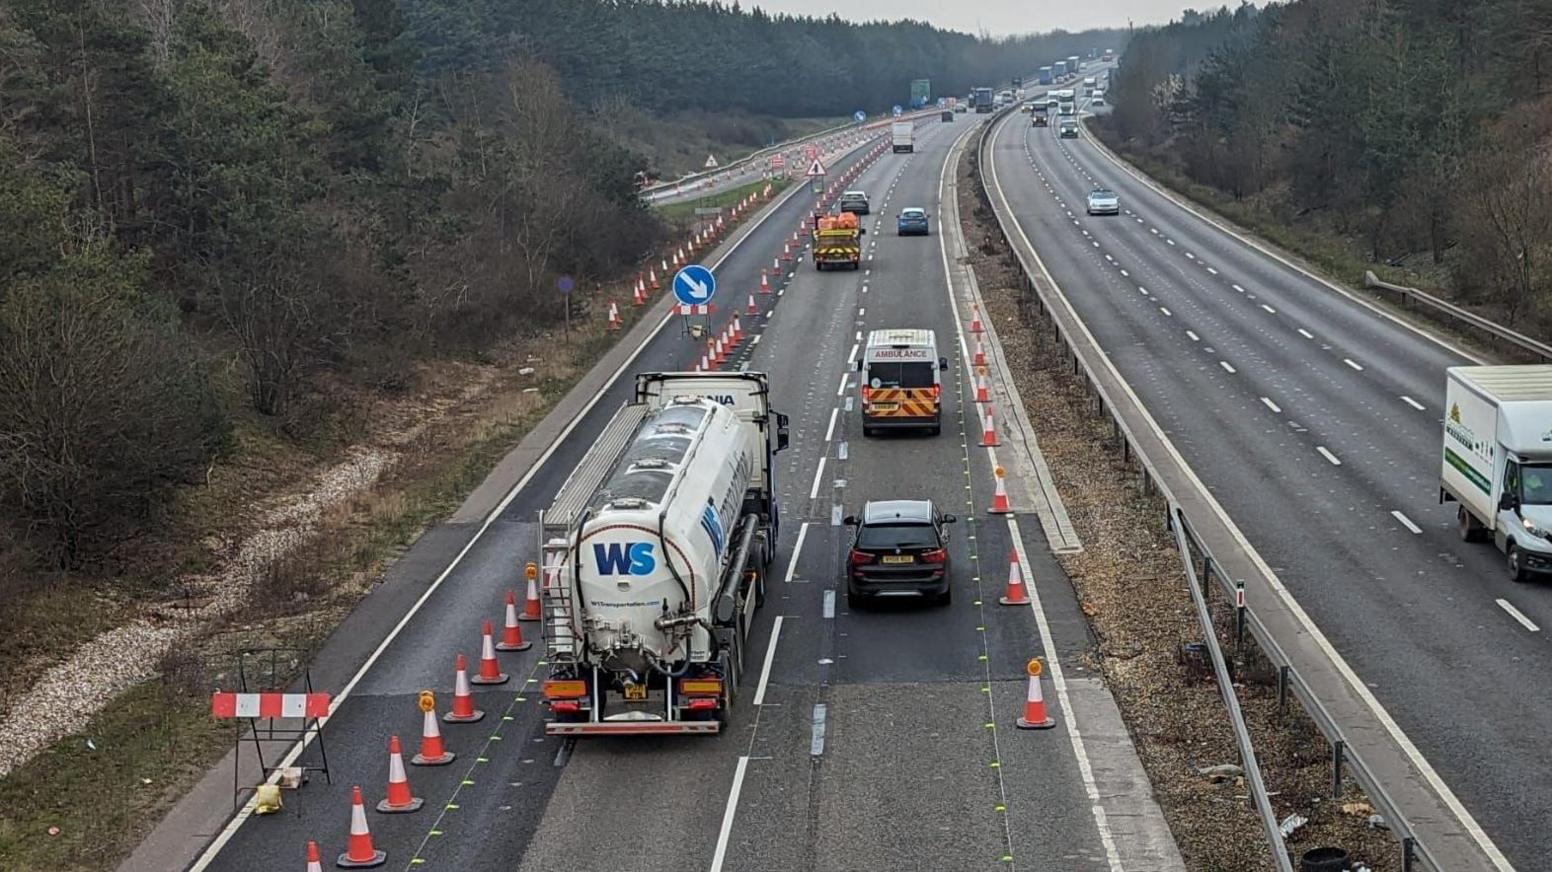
[899, 558]
[635, 691]
[883, 407]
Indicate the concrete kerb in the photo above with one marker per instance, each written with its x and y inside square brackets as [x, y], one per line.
[1391, 768]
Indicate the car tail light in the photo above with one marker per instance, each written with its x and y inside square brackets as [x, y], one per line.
[858, 558]
[936, 555]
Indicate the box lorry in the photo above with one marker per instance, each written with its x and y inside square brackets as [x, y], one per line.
[982, 98]
[902, 133]
[654, 558]
[1045, 75]
[1497, 460]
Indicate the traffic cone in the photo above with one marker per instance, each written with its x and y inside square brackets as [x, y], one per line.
[982, 390]
[531, 603]
[511, 633]
[1035, 717]
[637, 298]
[399, 799]
[432, 751]
[776, 265]
[463, 710]
[738, 330]
[652, 278]
[704, 365]
[614, 316]
[786, 251]
[490, 670]
[1017, 594]
[360, 854]
[314, 864]
[765, 283]
[1000, 495]
[989, 430]
[752, 310]
[719, 353]
[975, 319]
[980, 353]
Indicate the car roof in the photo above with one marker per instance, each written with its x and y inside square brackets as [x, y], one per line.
[913, 209]
[855, 194]
[889, 511]
[1102, 192]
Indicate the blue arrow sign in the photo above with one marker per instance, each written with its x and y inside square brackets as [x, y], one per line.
[897, 110]
[694, 285]
[859, 116]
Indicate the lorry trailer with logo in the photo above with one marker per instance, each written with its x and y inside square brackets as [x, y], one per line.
[655, 552]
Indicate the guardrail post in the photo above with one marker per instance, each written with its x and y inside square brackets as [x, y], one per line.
[1408, 855]
[1337, 756]
[1207, 567]
[1282, 690]
[1239, 616]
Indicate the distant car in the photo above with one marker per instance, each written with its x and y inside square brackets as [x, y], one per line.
[1068, 129]
[1097, 100]
[1103, 201]
[946, 116]
[913, 222]
[855, 202]
[899, 548]
[961, 107]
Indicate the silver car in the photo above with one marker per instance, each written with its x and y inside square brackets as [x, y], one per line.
[1103, 201]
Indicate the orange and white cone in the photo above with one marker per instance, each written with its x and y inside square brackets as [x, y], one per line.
[704, 365]
[614, 316]
[1000, 495]
[738, 331]
[314, 862]
[490, 670]
[463, 710]
[786, 251]
[1035, 716]
[360, 854]
[752, 310]
[980, 353]
[399, 800]
[982, 390]
[652, 278]
[765, 283]
[432, 751]
[637, 297]
[989, 429]
[975, 319]
[1017, 594]
[531, 611]
[511, 632]
[776, 266]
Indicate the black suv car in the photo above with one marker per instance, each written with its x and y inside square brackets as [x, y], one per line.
[899, 548]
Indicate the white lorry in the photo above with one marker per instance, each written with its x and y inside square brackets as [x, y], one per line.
[1497, 460]
[655, 552]
[903, 133]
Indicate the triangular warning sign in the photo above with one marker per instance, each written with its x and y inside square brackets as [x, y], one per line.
[711, 162]
[816, 168]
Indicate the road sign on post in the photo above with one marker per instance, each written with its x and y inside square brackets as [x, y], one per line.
[711, 161]
[815, 169]
[896, 110]
[694, 285]
[859, 116]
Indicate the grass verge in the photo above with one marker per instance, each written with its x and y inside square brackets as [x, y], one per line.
[681, 215]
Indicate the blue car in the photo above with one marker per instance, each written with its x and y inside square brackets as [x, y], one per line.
[913, 222]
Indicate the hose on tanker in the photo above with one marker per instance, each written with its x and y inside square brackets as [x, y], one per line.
[662, 544]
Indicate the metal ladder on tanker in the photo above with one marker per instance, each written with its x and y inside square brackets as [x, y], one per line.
[557, 607]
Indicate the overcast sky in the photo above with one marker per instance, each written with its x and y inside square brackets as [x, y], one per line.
[1000, 17]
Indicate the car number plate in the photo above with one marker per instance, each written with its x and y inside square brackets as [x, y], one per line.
[899, 558]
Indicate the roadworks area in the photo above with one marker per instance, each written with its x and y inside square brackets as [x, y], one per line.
[1132, 586]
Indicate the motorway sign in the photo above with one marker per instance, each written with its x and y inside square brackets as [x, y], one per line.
[859, 116]
[694, 285]
[815, 169]
[896, 110]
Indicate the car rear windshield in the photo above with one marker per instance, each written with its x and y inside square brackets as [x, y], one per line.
[890, 374]
[873, 536]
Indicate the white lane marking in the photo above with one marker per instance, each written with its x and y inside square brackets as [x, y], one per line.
[1328, 455]
[1109, 258]
[851, 358]
[1406, 522]
[1170, 241]
[816, 731]
[1306, 334]
[830, 430]
[1413, 403]
[1269, 309]
[842, 389]
[1240, 289]
[757, 338]
[1059, 684]
[1227, 367]
[1266, 401]
[1515, 613]
[1190, 256]
[861, 312]
[1125, 274]
[1142, 290]
[813, 492]
[1211, 270]
[840, 450]
[1349, 362]
[1166, 312]
[727, 815]
[1194, 337]
[1154, 230]
[829, 604]
[797, 548]
[770, 657]
[1096, 245]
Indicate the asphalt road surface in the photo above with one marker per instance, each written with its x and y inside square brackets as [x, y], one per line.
[882, 738]
[1315, 421]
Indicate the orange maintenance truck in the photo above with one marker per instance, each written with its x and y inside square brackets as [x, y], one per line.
[838, 240]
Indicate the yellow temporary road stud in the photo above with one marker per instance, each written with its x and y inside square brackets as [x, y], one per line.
[531, 571]
[426, 701]
[1033, 667]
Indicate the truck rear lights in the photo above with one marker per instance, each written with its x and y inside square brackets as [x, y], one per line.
[568, 689]
[700, 686]
[702, 704]
[565, 707]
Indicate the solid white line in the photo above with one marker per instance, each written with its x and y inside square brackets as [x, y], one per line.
[1271, 405]
[1269, 309]
[1405, 521]
[770, 657]
[1228, 367]
[830, 430]
[1350, 363]
[1515, 613]
[1194, 337]
[1306, 334]
[840, 391]
[1165, 311]
[813, 492]
[797, 548]
[1413, 403]
[1059, 684]
[1328, 455]
[727, 815]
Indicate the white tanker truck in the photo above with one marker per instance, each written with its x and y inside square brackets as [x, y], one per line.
[655, 552]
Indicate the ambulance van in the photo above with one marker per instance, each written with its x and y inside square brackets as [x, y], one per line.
[900, 384]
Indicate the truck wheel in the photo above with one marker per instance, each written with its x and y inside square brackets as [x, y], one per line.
[1516, 565]
[1466, 524]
